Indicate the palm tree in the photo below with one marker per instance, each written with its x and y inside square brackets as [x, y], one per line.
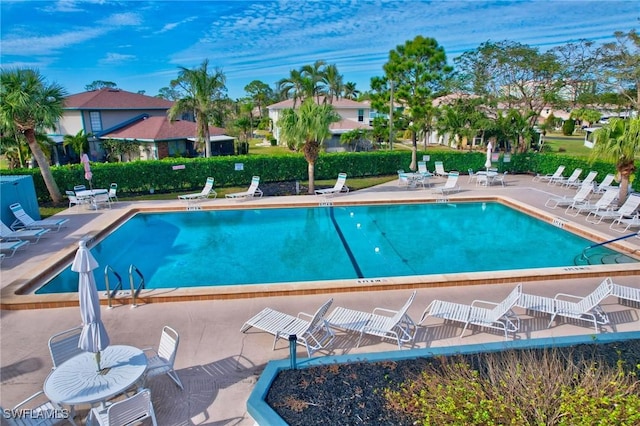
[203, 98]
[619, 141]
[315, 75]
[292, 87]
[308, 127]
[29, 104]
[79, 143]
[349, 90]
[333, 81]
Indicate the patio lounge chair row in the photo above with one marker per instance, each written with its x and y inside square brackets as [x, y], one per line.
[316, 332]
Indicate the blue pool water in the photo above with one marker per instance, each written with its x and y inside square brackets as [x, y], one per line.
[234, 247]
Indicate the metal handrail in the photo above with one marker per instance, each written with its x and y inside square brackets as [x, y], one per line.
[111, 294]
[624, 237]
[135, 290]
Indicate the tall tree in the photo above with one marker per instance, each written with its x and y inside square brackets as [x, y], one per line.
[307, 128]
[315, 76]
[100, 84]
[619, 141]
[579, 70]
[260, 93]
[28, 104]
[204, 96]
[418, 70]
[293, 87]
[349, 91]
[333, 81]
[514, 74]
[621, 63]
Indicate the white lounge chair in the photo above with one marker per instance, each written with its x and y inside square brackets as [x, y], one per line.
[550, 177]
[439, 171]
[381, 322]
[582, 308]
[630, 222]
[422, 169]
[161, 361]
[113, 189]
[311, 331]
[127, 411]
[625, 293]
[451, 185]
[35, 410]
[337, 188]
[403, 179]
[581, 196]
[627, 209]
[207, 191]
[605, 184]
[32, 235]
[12, 247]
[472, 176]
[572, 180]
[251, 192]
[587, 180]
[64, 345]
[604, 203]
[23, 220]
[499, 316]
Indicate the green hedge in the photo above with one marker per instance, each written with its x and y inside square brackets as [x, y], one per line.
[191, 173]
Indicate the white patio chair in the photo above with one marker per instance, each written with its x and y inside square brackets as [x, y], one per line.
[499, 178]
[337, 188]
[125, 412]
[64, 345]
[627, 209]
[585, 308]
[577, 183]
[604, 203]
[439, 171]
[249, 193]
[311, 331]
[23, 220]
[206, 192]
[11, 247]
[381, 322]
[37, 410]
[622, 292]
[403, 179]
[499, 316]
[102, 199]
[74, 200]
[570, 181]
[161, 361]
[451, 185]
[550, 177]
[113, 189]
[605, 184]
[581, 196]
[472, 176]
[32, 235]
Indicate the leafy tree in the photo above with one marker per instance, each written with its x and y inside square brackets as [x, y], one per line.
[260, 93]
[619, 141]
[117, 149]
[349, 91]
[579, 70]
[417, 70]
[464, 118]
[29, 104]
[78, 142]
[314, 78]
[620, 62]
[587, 115]
[168, 93]
[568, 127]
[307, 127]
[100, 84]
[513, 74]
[293, 87]
[204, 96]
[333, 81]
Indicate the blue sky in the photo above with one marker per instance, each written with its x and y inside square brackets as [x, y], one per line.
[140, 45]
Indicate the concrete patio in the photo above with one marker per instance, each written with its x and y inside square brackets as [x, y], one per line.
[218, 365]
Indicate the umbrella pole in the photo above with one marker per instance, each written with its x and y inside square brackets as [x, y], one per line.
[98, 356]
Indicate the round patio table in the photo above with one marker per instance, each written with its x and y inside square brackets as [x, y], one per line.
[78, 381]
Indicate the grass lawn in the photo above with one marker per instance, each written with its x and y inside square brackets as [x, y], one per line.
[570, 145]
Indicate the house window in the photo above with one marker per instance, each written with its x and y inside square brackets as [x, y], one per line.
[360, 115]
[96, 121]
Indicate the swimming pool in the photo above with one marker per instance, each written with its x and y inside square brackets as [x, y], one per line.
[282, 245]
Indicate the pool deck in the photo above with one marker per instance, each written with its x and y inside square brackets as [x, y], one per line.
[219, 365]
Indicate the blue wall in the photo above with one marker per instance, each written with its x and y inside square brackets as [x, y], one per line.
[18, 189]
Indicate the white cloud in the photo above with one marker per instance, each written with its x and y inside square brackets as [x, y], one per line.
[44, 45]
[172, 25]
[122, 19]
[116, 58]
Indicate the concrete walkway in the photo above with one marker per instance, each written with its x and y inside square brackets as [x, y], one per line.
[217, 364]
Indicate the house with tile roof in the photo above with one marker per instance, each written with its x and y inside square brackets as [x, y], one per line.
[354, 115]
[120, 115]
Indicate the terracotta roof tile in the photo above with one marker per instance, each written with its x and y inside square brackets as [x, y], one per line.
[114, 99]
[159, 129]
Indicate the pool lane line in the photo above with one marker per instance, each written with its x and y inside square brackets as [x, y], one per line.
[352, 258]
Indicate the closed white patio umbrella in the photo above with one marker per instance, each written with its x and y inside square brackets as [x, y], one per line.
[94, 337]
[87, 169]
[487, 163]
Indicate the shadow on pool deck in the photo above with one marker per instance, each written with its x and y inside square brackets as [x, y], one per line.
[217, 364]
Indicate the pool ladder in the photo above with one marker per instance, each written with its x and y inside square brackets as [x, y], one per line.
[135, 288]
[584, 258]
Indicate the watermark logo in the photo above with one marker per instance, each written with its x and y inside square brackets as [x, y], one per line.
[38, 414]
